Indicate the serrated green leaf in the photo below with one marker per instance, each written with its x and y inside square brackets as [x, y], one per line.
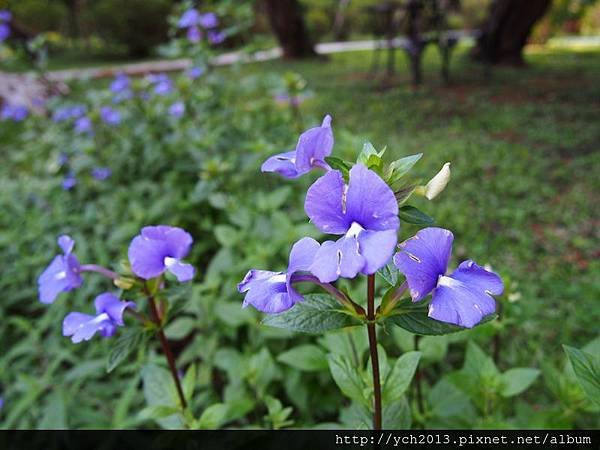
[410, 214]
[309, 358]
[347, 377]
[517, 380]
[587, 370]
[339, 164]
[130, 340]
[316, 314]
[389, 273]
[399, 378]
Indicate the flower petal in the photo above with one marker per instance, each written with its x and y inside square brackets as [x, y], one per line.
[377, 247]
[266, 291]
[324, 203]
[82, 327]
[478, 278]
[338, 259]
[184, 272]
[284, 164]
[302, 256]
[147, 256]
[313, 145]
[423, 259]
[370, 201]
[66, 243]
[112, 306]
[178, 240]
[459, 303]
[60, 276]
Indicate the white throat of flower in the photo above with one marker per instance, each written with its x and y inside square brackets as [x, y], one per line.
[354, 230]
[279, 278]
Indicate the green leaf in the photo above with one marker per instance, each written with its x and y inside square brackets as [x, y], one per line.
[339, 164]
[130, 340]
[370, 157]
[346, 376]
[179, 328]
[159, 389]
[517, 380]
[410, 214]
[189, 382]
[156, 412]
[316, 314]
[213, 416]
[396, 415]
[400, 167]
[399, 378]
[389, 273]
[413, 317]
[309, 358]
[587, 370]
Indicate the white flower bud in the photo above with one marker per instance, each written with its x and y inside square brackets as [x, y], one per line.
[438, 183]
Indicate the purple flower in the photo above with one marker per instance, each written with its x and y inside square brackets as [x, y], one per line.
[364, 211]
[313, 146]
[216, 37]
[272, 292]
[4, 32]
[62, 275]
[109, 316]
[101, 173]
[63, 159]
[208, 20]
[69, 181]
[189, 18]
[120, 83]
[16, 113]
[83, 125]
[158, 249]
[162, 83]
[110, 116]
[194, 34]
[462, 298]
[64, 113]
[5, 15]
[177, 109]
[195, 72]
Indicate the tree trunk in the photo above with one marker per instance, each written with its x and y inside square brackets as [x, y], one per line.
[506, 30]
[285, 17]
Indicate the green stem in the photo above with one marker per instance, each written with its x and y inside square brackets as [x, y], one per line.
[373, 350]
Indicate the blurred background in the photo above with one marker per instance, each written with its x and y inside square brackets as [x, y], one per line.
[116, 115]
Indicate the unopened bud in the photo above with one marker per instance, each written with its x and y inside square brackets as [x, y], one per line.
[124, 283]
[438, 183]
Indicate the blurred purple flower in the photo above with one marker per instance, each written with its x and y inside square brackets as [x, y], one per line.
[110, 116]
[83, 125]
[16, 113]
[63, 159]
[69, 181]
[177, 109]
[189, 18]
[101, 173]
[120, 83]
[313, 146]
[194, 34]
[62, 275]
[64, 113]
[162, 83]
[195, 72]
[209, 20]
[158, 249]
[462, 298]
[216, 37]
[109, 316]
[5, 15]
[4, 32]
[272, 292]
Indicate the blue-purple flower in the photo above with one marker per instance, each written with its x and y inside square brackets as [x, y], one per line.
[63, 273]
[189, 18]
[313, 146]
[364, 212]
[120, 83]
[101, 173]
[194, 34]
[109, 316]
[272, 292]
[110, 116]
[158, 249]
[177, 109]
[162, 83]
[69, 181]
[5, 17]
[83, 125]
[462, 298]
[195, 72]
[208, 20]
[16, 113]
[64, 113]
[216, 37]
[192, 20]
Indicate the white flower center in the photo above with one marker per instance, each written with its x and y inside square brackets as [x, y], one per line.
[168, 261]
[354, 230]
[279, 278]
[60, 275]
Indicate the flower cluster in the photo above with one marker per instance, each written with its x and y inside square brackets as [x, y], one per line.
[156, 250]
[196, 24]
[362, 210]
[5, 18]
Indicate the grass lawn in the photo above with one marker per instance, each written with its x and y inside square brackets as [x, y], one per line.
[525, 153]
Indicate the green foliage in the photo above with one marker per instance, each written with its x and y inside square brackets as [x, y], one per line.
[587, 370]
